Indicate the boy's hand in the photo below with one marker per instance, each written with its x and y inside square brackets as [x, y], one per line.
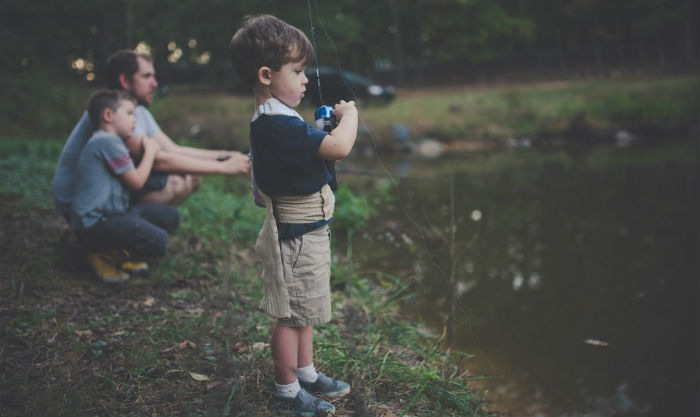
[338, 143]
[342, 108]
[135, 145]
[150, 145]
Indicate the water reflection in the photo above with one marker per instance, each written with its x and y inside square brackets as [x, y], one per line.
[576, 284]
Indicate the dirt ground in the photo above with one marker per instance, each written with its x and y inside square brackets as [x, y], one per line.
[185, 344]
[72, 345]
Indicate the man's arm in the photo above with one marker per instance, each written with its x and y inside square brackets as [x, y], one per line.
[169, 161]
[169, 145]
[338, 144]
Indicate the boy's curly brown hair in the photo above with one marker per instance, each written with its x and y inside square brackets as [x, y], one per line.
[266, 41]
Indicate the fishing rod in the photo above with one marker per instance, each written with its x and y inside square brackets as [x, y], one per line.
[323, 116]
[442, 273]
[313, 43]
[327, 121]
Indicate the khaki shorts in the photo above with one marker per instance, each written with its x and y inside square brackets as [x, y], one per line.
[306, 262]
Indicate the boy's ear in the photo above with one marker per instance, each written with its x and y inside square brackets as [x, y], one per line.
[264, 75]
[107, 115]
[124, 82]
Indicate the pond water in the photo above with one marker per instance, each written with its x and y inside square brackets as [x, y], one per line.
[573, 276]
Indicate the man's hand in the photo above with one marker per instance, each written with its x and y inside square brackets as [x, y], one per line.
[237, 163]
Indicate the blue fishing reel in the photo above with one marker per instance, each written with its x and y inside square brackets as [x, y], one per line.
[325, 120]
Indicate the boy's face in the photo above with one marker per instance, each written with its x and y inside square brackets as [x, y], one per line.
[289, 83]
[123, 119]
[143, 84]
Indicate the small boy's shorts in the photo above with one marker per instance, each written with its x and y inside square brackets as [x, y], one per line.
[306, 262]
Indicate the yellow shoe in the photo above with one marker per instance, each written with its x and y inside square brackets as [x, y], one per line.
[105, 264]
[130, 265]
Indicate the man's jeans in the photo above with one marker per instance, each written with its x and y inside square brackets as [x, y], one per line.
[143, 231]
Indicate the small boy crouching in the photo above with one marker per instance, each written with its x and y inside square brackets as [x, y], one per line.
[101, 214]
[290, 169]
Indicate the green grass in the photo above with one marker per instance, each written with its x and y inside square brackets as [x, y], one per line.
[530, 110]
[73, 346]
[27, 168]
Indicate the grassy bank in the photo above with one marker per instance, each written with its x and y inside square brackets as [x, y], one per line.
[543, 110]
[582, 111]
[578, 110]
[187, 340]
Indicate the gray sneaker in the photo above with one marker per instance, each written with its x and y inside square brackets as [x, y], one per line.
[304, 404]
[326, 386]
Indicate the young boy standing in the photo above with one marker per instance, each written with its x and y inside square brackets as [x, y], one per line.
[101, 215]
[290, 170]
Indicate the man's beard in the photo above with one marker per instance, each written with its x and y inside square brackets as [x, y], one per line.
[139, 99]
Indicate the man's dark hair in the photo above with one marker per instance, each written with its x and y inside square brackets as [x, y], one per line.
[105, 99]
[266, 41]
[124, 62]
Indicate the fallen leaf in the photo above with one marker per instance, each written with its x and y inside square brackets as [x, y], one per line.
[213, 384]
[260, 345]
[194, 310]
[149, 301]
[595, 342]
[180, 346]
[199, 377]
[86, 333]
[240, 347]
[186, 344]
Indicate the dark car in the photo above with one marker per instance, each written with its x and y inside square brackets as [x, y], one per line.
[343, 85]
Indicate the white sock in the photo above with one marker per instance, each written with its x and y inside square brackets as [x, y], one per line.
[307, 373]
[287, 391]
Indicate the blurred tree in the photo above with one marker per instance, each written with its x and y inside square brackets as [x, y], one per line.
[47, 46]
[473, 30]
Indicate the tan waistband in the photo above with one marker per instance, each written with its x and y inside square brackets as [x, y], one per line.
[305, 208]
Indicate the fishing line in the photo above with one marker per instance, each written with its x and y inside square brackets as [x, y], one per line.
[467, 316]
[386, 171]
[313, 42]
[376, 151]
[449, 325]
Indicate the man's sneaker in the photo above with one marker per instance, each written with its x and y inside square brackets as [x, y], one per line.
[304, 404]
[105, 265]
[326, 386]
[130, 265]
